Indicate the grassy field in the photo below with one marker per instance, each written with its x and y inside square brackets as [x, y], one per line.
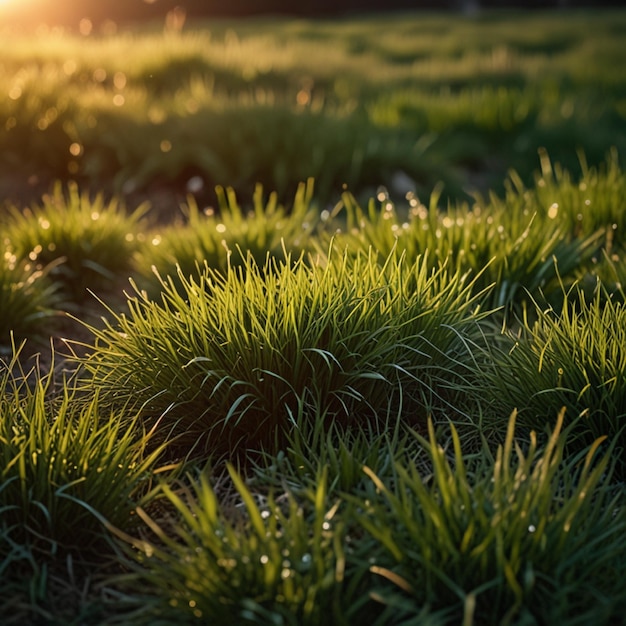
[358, 374]
[363, 102]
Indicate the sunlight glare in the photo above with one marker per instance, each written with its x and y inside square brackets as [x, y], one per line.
[24, 11]
[12, 3]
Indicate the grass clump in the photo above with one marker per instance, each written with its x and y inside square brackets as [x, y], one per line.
[528, 244]
[575, 358]
[27, 302]
[240, 558]
[87, 242]
[531, 535]
[585, 205]
[65, 465]
[227, 236]
[237, 358]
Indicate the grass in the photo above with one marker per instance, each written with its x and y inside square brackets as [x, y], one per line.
[81, 243]
[359, 392]
[574, 359]
[496, 539]
[347, 102]
[278, 562]
[61, 460]
[329, 378]
[236, 358]
[225, 237]
[542, 533]
[27, 302]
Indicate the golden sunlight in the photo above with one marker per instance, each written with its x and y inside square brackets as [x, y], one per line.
[9, 8]
[14, 4]
[25, 10]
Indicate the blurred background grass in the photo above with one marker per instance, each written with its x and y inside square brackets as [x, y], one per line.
[396, 100]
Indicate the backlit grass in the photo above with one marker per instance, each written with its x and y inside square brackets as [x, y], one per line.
[330, 368]
[509, 538]
[81, 243]
[317, 374]
[227, 236]
[62, 460]
[572, 359]
[277, 101]
[27, 302]
[237, 358]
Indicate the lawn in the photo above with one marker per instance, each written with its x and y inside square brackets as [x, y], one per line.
[314, 322]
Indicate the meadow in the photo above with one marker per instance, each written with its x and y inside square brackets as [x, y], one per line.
[312, 323]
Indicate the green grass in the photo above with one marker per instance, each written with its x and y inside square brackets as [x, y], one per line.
[519, 534]
[517, 537]
[512, 243]
[277, 101]
[279, 562]
[329, 369]
[82, 243]
[317, 374]
[27, 302]
[62, 459]
[574, 359]
[236, 358]
[225, 237]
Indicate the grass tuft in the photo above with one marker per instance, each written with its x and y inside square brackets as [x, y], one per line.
[61, 458]
[575, 358]
[227, 236]
[28, 301]
[268, 560]
[236, 359]
[528, 535]
[87, 243]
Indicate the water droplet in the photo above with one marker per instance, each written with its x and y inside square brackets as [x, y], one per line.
[553, 210]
